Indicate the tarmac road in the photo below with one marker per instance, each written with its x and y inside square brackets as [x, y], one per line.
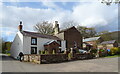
[91, 65]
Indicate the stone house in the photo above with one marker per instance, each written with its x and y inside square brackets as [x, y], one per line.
[93, 41]
[108, 44]
[33, 42]
[71, 35]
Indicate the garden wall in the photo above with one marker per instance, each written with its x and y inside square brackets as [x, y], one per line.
[79, 56]
[45, 58]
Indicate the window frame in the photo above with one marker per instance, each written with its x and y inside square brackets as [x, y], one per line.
[35, 41]
[35, 50]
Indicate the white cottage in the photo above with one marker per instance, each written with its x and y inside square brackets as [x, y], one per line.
[32, 42]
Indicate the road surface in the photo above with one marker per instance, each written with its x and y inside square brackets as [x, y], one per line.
[91, 65]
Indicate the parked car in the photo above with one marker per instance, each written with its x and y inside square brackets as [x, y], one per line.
[82, 51]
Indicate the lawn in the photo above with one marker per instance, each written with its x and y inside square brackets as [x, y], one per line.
[112, 56]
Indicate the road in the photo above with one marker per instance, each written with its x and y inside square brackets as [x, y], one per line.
[92, 65]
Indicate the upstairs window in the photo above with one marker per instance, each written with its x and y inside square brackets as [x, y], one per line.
[33, 41]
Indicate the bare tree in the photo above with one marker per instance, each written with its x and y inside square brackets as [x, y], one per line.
[44, 28]
[86, 32]
[68, 24]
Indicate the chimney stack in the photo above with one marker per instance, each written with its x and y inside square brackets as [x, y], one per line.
[20, 26]
[56, 27]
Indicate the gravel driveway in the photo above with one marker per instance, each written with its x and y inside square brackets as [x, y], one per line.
[91, 65]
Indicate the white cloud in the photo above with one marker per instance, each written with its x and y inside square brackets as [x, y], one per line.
[94, 14]
[86, 14]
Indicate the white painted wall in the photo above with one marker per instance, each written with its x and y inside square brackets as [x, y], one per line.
[23, 44]
[17, 45]
[40, 44]
[63, 45]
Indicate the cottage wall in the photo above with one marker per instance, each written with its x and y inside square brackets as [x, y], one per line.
[40, 44]
[17, 45]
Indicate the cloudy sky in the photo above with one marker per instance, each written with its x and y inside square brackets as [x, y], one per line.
[90, 14]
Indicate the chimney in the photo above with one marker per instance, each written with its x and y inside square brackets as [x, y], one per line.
[20, 26]
[56, 27]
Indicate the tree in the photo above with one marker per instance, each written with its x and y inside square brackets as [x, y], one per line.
[109, 2]
[68, 24]
[44, 28]
[103, 32]
[86, 32]
[2, 45]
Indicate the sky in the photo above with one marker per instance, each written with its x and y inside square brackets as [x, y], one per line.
[89, 14]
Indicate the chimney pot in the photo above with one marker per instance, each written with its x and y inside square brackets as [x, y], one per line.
[20, 26]
[56, 27]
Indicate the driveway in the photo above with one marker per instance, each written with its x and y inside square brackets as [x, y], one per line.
[92, 65]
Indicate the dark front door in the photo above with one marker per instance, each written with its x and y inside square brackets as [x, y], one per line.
[33, 50]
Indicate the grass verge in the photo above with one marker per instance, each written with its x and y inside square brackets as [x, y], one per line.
[112, 56]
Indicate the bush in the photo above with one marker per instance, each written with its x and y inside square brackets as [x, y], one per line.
[115, 50]
[39, 52]
[69, 55]
[118, 50]
[102, 52]
[46, 52]
[93, 52]
[42, 52]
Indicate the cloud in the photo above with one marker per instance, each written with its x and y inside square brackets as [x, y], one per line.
[91, 14]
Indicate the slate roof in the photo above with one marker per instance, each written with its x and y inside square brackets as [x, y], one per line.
[91, 39]
[108, 42]
[66, 29]
[35, 34]
[87, 43]
[51, 42]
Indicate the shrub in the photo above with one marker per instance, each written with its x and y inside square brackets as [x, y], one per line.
[103, 52]
[42, 52]
[77, 51]
[69, 55]
[39, 52]
[114, 51]
[46, 52]
[118, 50]
[93, 51]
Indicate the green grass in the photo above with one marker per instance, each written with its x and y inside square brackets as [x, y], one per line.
[8, 54]
[112, 56]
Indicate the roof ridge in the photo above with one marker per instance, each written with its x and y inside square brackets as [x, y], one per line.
[66, 29]
[37, 33]
[28, 33]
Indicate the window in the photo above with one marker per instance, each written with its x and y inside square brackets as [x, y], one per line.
[33, 41]
[33, 50]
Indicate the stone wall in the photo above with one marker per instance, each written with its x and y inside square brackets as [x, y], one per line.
[53, 58]
[80, 56]
[45, 58]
